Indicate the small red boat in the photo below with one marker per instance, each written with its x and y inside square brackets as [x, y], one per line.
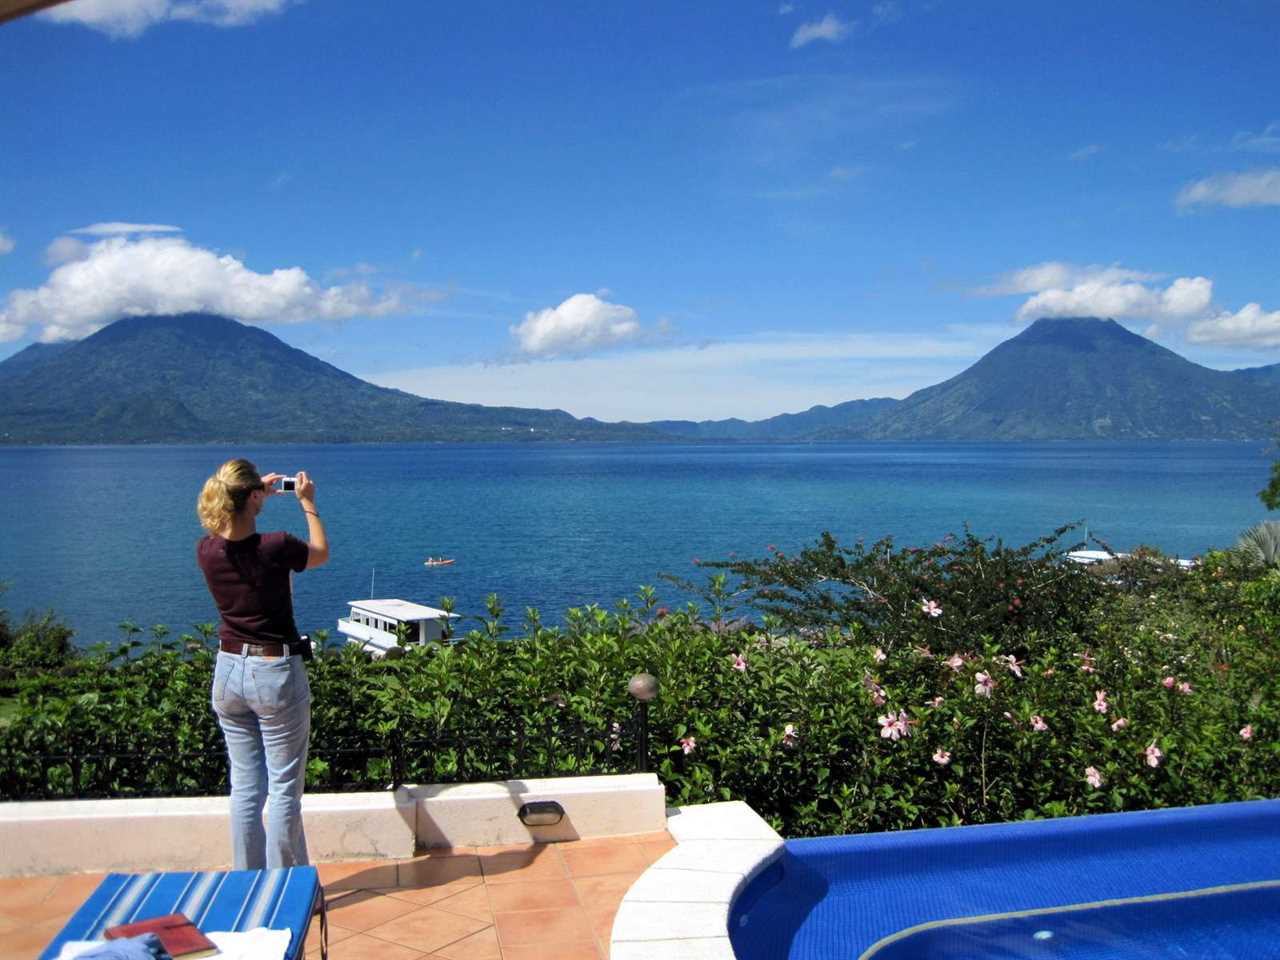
[437, 562]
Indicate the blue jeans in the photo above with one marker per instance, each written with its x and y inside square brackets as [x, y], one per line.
[264, 708]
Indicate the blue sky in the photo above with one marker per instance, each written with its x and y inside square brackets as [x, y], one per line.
[635, 211]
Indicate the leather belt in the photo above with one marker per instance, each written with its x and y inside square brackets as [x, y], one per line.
[258, 649]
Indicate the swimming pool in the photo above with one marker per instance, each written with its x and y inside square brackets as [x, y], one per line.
[1196, 882]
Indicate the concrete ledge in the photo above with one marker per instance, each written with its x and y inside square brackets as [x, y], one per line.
[484, 814]
[187, 833]
[720, 849]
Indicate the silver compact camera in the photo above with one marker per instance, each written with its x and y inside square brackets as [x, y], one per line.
[288, 484]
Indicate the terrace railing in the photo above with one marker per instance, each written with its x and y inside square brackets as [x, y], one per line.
[562, 747]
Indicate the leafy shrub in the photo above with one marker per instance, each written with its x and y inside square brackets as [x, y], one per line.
[890, 688]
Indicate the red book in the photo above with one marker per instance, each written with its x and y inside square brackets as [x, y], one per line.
[180, 937]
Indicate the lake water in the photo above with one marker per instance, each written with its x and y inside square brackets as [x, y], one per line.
[101, 534]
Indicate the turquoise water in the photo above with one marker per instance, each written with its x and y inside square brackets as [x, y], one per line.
[101, 534]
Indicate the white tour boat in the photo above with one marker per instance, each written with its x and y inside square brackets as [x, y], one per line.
[375, 624]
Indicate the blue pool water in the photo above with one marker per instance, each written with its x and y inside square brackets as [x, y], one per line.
[1218, 924]
[937, 894]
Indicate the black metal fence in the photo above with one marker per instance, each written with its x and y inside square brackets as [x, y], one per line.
[555, 748]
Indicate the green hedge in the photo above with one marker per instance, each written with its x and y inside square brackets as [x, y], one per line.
[889, 688]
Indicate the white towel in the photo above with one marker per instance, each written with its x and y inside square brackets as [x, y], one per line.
[257, 944]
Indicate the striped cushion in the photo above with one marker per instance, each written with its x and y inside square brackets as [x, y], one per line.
[281, 899]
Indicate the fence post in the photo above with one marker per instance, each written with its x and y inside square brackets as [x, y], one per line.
[397, 759]
[644, 687]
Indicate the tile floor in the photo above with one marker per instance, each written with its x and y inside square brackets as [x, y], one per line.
[466, 903]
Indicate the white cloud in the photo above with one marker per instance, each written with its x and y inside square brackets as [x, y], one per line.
[582, 323]
[1250, 326]
[130, 18]
[117, 229]
[1087, 151]
[1053, 274]
[756, 378]
[6, 243]
[1266, 140]
[830, 28]
[1184, 298]
[1060, 289]
[785, 8]
[64, 250]
[1256, 188]
[157, 275]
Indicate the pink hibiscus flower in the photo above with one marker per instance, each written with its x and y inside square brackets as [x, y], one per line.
[1154, 755]
[1100, 701]
[879, 656]
[740, 663]
[688, 744]
[1038, 724]
[1246, 732]
[1093, 777]
[1014, 665]
[893, 726]
[983, 684]
[955, 662]
[941, 757]
[1168, 682]
[1119, 725]
[930, 608]
[1184, 688]
[790, 737]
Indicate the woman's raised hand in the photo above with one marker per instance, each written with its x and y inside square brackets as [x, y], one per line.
[305, 488]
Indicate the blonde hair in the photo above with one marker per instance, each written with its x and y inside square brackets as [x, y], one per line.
[225, 494]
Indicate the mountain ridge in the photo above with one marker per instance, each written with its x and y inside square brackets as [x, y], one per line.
[201, 378]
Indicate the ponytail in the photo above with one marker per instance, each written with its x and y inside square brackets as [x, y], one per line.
[225, 494]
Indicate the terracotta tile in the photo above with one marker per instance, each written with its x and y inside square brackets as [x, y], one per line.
[336, 934]
[542, 895]
[581, 950]
[436, 853]
[652, 837]
[426, 881]
[511, 848]
[66, 897]
[478, 946]
[427, 929]
[653, 850]
[537, 863]
[19, 893]
[361, 875]
[602, 923]
[361, 911]
[620, 858]
[592, 842]
[542, 926]
[605, 891]
[28, 940]
[472, 903]
[363, 947]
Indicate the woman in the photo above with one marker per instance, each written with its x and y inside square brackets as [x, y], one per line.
[260, 690]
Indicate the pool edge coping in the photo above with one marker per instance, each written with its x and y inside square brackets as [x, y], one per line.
[720, 848]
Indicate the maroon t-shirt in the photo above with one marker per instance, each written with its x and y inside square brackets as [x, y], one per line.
[249, 581]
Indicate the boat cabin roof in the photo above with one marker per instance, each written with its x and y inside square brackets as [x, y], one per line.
[402, 611]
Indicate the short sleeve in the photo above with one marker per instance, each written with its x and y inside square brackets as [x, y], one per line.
[295, 553]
